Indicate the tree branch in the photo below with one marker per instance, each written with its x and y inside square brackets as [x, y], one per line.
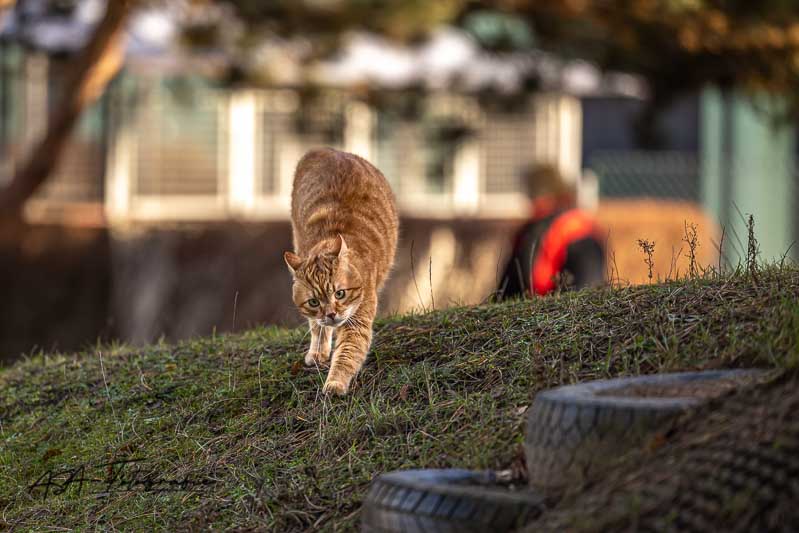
[92, 70]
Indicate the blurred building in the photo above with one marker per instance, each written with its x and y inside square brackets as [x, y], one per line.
[449, 129]
[165, 147]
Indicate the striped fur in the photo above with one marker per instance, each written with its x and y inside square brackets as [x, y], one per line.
[345, 228]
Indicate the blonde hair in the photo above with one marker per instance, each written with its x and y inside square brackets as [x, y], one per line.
[546, 180]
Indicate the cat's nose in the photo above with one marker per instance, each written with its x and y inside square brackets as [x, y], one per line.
[331, 316]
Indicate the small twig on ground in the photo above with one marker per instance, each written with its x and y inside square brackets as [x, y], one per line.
[785, 255]
[105, 382]
[231, 379]
[608, 269]
[498, 291]
[430, 277]
[738, 245]
[260, 387]
[648, 248]
[615, 269]
[141, 377]
[235, 309]
[752, 248]
[673, 265]
[692, 240]
[413, 274]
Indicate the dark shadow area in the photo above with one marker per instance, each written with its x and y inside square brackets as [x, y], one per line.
[56, 285]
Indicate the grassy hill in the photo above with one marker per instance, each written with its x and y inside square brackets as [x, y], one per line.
[233, 430]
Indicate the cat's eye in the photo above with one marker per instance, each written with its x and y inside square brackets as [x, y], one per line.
[340, 294]
[313, 302]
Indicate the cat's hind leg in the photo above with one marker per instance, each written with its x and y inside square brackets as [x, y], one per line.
[321, 343]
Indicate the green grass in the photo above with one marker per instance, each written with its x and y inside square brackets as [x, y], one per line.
[444, 389]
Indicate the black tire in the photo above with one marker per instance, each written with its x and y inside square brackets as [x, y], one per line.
[573, 431]
[445, 501]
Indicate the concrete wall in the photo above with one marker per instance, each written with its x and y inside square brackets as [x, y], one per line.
[65, 287]
[186, 281]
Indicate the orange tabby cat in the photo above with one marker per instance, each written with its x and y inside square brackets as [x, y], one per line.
[345, 227]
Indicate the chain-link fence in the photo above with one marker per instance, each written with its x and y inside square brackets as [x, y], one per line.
[653, 174]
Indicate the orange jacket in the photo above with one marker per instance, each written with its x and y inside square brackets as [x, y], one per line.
[566, 228]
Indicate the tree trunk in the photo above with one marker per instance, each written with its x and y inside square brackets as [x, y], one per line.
[89, 75]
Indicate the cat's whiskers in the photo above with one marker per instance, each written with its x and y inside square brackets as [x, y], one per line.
[354, 322]
[319, 341]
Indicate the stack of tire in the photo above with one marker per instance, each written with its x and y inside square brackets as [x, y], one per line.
[573, 434]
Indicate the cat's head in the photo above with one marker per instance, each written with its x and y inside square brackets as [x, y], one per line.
[327, 287]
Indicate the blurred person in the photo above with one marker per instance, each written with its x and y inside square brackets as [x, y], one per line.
[559, 247]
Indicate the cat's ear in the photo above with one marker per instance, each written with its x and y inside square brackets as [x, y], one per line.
[292, 260]
[342, 247]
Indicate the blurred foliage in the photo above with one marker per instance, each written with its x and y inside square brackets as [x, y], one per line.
[495, 30]
[320, 24]
[678, 45]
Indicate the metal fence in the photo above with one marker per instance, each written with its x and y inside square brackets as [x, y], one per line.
[654, 174]
[178, 132]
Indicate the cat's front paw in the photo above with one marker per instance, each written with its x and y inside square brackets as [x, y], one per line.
[335, 387]
[317, 359]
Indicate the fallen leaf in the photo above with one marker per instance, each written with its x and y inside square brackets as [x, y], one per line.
[52, 452]
[296, 367]
[403, 393]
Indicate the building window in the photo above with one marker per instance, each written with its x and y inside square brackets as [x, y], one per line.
[178, 133]
[444, 138]
[289, 128]
[508, 144]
